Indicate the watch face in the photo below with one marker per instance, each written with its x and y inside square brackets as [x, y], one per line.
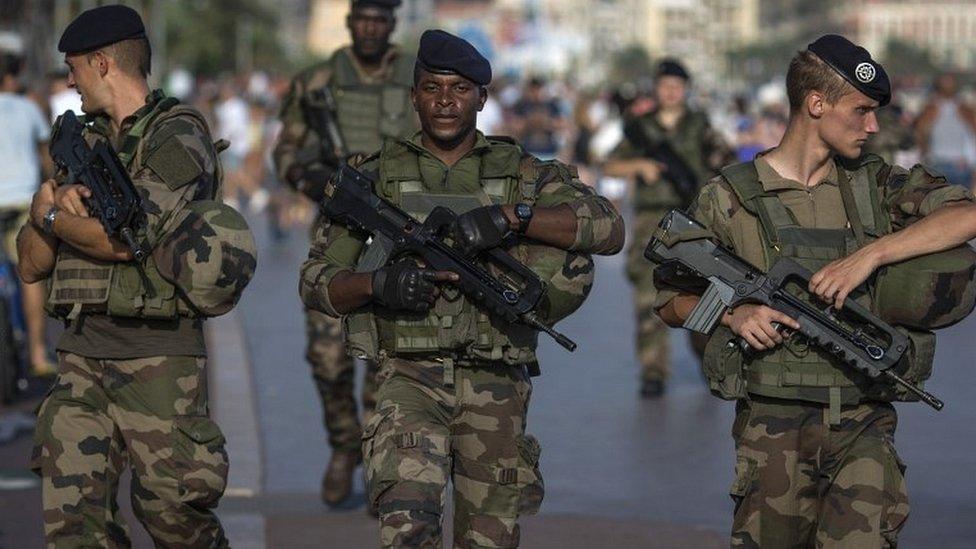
[523, 211]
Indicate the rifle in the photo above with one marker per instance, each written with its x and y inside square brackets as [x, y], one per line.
[854, 335]
[676, 170]
[513, 296]
[114, 199]
[320, 111]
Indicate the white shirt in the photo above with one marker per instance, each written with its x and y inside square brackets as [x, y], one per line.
[233, 124]
[24, 127]
[65, 100]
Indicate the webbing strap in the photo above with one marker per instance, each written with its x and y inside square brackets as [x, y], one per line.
[850, 207]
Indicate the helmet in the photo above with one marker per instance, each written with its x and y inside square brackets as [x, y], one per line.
[928, 292]
[210, 256]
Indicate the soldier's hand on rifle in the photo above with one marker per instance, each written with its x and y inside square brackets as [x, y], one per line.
[70, 198]
[754, 323]
[650, 171]
[404, 285]
[837, 280]
[481, 229]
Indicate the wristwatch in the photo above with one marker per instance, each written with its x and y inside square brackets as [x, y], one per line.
[523, 212]
[48, 222]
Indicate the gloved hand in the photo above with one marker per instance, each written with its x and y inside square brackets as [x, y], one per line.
[404, 285]
[480, 229]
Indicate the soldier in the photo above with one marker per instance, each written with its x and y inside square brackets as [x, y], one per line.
[816, 462]
[131, 390]
[454, 382]
[370, 84]
[698, 152]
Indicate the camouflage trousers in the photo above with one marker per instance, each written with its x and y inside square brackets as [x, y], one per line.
[333, 370]
[801, 482]
[147, 414]
[438, 422]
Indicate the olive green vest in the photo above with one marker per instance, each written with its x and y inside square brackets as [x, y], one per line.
[83, 284]
[797, 369]
[455, 326]
[369, 113]
[686, 140]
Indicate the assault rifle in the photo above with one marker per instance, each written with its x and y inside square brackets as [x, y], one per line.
[114, 200]
[320, 111]
[686, 251]
[511, 296]
[676, 170]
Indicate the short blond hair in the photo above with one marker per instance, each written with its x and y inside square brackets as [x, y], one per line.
[809, 73]
[133, 56]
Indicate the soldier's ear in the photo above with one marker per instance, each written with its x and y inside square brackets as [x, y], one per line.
[482, 97]
[815, 104]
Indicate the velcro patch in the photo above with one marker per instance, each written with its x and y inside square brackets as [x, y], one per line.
[173, 164]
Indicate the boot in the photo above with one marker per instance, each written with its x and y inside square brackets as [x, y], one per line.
[337, 482]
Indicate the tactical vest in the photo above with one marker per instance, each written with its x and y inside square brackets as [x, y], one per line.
[687, 143]
[369, 113]
[797, 369]
[83, 284]
[455, 326]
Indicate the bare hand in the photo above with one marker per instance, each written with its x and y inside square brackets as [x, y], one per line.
[70, 198]
[41, 203]
[837, 280]
[650, 171]
[754, 323]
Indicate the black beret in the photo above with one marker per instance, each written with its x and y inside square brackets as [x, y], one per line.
[99, 27]
[387, 4]
[443, 53]
[854, 63]
[672, 67]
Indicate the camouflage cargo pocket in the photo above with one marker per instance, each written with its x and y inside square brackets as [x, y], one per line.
[379, 464]
[530, 484]
[201, 460]
[722, 365]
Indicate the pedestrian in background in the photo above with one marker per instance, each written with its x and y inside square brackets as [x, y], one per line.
[945, 131]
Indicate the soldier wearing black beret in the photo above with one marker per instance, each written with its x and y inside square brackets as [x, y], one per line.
[368, 83]
[670, 148]
[132, 363]
[454, 379]
[816, 463]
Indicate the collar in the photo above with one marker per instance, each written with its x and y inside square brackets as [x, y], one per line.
[771, 180]
[380, 75]
[414, 143]
[102, 124]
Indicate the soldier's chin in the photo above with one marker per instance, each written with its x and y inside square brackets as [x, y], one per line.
[853, 152]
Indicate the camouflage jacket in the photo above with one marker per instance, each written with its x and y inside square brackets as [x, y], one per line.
[298, 155]
[174, 163]
[693, 139]
[599, 230]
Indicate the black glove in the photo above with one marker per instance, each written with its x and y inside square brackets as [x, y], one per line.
[481, 229]
[404, 285]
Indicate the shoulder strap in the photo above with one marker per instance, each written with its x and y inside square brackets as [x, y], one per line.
[133, 139]
[743, 178]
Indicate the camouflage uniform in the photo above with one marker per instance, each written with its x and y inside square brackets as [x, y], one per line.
[815, 456]
[370, 108]
[703, 151]
[131, 389]
[454, 384]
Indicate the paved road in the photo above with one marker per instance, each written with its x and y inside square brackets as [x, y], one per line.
[620, 472]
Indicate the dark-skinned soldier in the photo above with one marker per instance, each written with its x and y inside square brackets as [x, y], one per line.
[370, 84]
[454, 381]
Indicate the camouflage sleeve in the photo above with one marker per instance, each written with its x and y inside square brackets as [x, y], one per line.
[912, 194]
[334, 249]
[177, 168]
[298, 146]
[599, 227]
[708, 211]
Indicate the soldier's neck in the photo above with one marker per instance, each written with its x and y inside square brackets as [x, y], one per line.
[669, 116]
[801, 156]
[126, 100]
[449, 152]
